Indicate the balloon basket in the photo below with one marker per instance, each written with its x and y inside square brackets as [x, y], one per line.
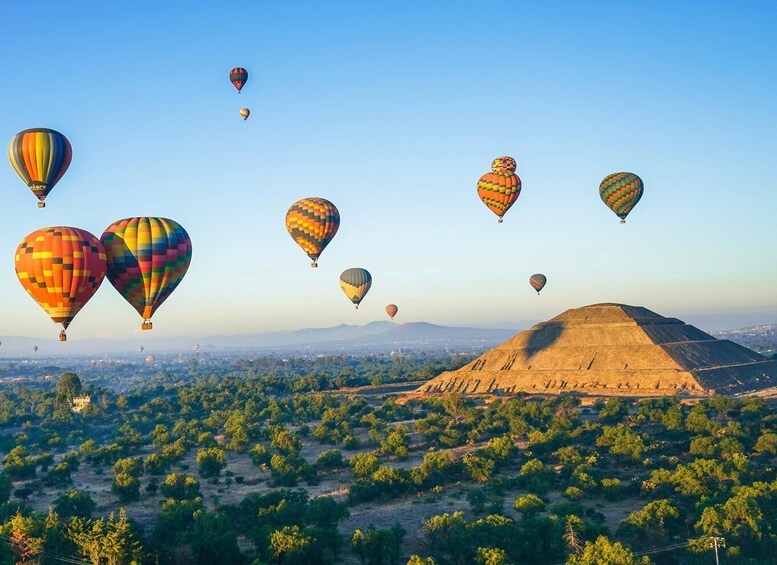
[500, 220]
[41, 204]
[623, 221]
[62, 336]
[314, 265]
[146, 325]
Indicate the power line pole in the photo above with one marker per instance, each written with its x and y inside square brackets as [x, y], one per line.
[716, 541]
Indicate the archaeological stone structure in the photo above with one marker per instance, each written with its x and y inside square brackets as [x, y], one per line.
[612, 350]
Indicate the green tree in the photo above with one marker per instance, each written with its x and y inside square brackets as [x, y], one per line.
[180, 486]
[605, 552]
[529, 504]
[75, 503]
[211, 461]
[126, 487]
[290, 545]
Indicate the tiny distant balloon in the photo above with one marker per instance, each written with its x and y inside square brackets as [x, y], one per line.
[147, 260]
[150, 359]
[238, 77]
[197, 347]
[355, 284]
[34, 348]
[312, 223]
[60, 268]
[40, 156]
[621, 192]
[392, 310]
[140, 348]
[538, 282]
[500, 188]
[244, 113]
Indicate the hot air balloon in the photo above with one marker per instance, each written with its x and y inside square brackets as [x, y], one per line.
[239, 77]
[197, 347]
[538, 282]
[140, 348]
[312, 223]
[150, 359]
[392, 310]
[34, 348]
[244, 113]
[147, 259]
[500, 188]
[61, 268]
[621, 192]
[355, 284]
[40, 156]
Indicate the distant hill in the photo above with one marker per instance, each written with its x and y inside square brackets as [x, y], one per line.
[762, 339]
[375, 337]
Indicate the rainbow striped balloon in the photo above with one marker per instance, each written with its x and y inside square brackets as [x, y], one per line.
[147, 260]
[355, 284]
[500, 188]
[621, 192]
[40, 156]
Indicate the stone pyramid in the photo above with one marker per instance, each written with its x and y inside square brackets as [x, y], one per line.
[612, 350]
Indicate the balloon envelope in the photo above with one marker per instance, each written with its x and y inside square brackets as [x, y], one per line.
[538, 282]
[312, 223]
[60, 268]
[500, 188]
[147, 260]
[40, 156]
[238, 77]
[355, 284]
[621, 192]
[392, 310]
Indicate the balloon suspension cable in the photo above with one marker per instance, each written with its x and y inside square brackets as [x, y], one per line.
[62, 336]
[146, 325]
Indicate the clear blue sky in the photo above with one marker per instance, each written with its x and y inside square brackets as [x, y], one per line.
[393, 110]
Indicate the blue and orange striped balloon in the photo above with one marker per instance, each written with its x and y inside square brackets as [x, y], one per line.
[40, 156]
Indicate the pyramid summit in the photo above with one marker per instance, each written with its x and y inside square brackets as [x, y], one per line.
[612, 350]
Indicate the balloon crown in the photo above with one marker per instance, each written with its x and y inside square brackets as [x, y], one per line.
[503, 165]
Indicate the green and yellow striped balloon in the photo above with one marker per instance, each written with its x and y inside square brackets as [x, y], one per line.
[355, 284]
[621, 192]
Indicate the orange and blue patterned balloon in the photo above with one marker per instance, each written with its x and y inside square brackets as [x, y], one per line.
[621, 192]
[312, 223]
[238, 77]
[40, 156]
[500, 188]
[147, 260]
[60, 268]
[355, 284]
[538, 282]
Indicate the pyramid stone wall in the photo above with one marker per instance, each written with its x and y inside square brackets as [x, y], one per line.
[612, 349]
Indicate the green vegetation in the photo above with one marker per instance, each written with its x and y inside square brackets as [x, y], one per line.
[260, 462]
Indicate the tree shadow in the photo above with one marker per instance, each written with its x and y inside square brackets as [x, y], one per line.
[544, 337]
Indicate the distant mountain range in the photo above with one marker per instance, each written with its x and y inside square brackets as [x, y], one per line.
[375, 337]
[762, 339]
